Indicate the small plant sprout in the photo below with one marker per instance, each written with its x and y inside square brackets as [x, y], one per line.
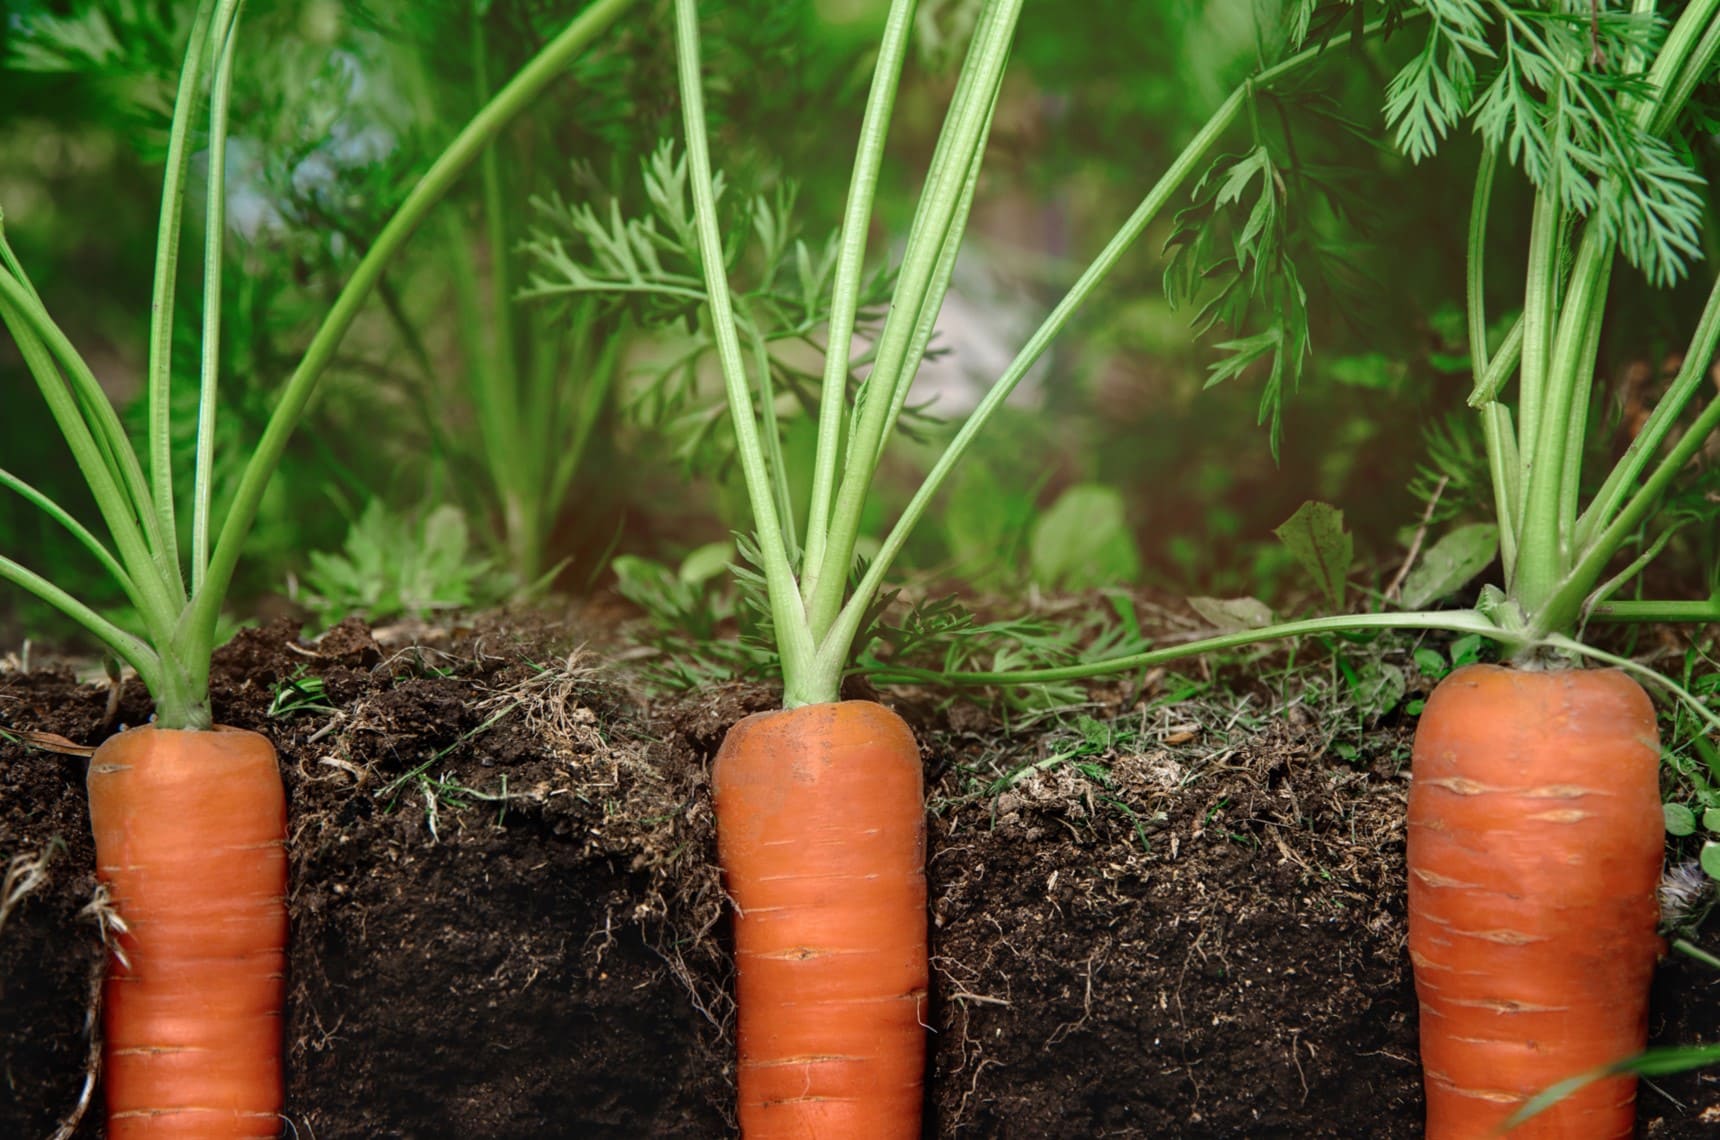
[300, 693]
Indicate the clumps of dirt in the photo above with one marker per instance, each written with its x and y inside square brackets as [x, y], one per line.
[1190, 945]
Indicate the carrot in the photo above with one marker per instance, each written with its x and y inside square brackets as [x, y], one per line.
[190, 832]
[821, 836]
[1534, 851]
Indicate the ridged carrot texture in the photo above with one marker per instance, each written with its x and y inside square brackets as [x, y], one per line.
[821, 836]
[190, 831]
[1535, 841]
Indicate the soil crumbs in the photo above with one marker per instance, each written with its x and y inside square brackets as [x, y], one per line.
[506, 920]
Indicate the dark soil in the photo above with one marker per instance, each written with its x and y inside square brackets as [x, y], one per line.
[506, 922]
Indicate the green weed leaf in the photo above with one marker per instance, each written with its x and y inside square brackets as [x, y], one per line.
[1466, 650]
[1233, 615]
[1083, 541]
[1315, 535]
[706, 563]
[1430, 662]
[1449, 564]
[1680, 820]
[1377, 687]
[391, 564]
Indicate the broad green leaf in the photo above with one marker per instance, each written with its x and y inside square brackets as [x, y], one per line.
[1680, 820]
[1232, 615]
[1430, 661]
[1450, 563]
[706, 562]
[1083, 541]
[1710, 859]
[985, 521]
[1315, 535]
[1466, 650]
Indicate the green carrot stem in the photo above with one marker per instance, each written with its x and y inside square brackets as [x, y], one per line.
[845, 294]
[770, 427]
[130, 649]
[214, 246]
[159, 369]
[1593, 559]
[46, 350]
[77, 530]
[1500, 444]
[124, 473]
[837, 643]
[1658, 612]
[1691, 950]
[497, 377]
[834, 647]
[1617, 582]
[1622, 479]
[1450, 621]
[942, 271]
[793, 640]
[934, 225]
[1546, 538]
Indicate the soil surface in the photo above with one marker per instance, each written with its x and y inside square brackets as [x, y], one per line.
[506, 920]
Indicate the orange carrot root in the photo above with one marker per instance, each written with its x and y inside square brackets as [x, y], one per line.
[821, 834]
[1534, 851]
[190, 831]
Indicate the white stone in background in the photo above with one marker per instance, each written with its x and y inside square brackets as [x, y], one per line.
[984, 321]
[362, 134]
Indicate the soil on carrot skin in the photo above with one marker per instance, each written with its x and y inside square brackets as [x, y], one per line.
[506, 923]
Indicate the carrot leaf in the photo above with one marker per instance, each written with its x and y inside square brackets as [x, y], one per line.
[646, 264]
[1559, 95]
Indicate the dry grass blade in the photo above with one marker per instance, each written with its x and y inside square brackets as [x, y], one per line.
[52, 742]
